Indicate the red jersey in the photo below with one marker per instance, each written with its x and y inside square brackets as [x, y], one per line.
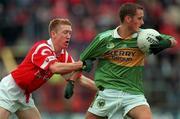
[34, 71]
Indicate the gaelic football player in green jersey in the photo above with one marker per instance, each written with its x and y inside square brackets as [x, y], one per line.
[120, 67]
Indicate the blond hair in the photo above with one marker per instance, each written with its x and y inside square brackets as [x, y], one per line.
[53, 25]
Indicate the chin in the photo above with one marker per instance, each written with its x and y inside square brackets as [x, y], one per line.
[136, 30]
[65, 47]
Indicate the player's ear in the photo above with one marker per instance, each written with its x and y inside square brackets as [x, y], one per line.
[53, 34]
[128, 19]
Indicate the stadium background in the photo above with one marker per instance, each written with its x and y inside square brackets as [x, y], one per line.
[23, 22]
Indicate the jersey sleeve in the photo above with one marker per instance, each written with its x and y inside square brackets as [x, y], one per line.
[167, 37]
[95, 49]
[43, 56]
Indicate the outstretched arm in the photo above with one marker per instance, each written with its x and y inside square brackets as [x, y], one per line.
[87, 82]
[64, 68]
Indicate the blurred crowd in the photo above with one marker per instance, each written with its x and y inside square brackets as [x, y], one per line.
[23, 22]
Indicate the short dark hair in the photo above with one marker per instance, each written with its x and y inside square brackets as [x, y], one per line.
[128, 9]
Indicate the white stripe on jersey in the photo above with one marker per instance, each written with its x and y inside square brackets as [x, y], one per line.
[46, 62]
[40, 46]
[66, 57]
[44, 51]
[72, 60]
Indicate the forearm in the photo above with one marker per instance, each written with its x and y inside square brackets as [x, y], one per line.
[172, 40]
[165, 42]
[87, 82]
[63, 68]
[75, 75]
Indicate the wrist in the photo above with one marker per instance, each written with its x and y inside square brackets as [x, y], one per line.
[87, 65]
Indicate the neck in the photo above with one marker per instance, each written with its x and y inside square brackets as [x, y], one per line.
[124, 32]
[56, 48]
[58, 51]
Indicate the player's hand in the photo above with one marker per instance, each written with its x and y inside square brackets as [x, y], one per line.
[69, 89]
[87, 65]
[163, 44]
[79, 64]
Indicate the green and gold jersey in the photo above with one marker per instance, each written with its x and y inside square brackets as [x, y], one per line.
[120, 62]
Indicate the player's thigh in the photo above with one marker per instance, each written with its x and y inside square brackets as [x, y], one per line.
[4, 114]
[31, 113]
[89, 115]
[140, 112]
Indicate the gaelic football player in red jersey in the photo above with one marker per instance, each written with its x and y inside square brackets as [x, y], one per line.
[45, 58]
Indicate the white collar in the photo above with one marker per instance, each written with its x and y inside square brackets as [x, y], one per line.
[52, 46]
[116, 35]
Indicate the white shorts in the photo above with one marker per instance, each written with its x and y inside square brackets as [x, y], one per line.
[110, 103]
[12, 98]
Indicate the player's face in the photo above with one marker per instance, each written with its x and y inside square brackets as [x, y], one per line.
[62, 37]
[137, 21]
